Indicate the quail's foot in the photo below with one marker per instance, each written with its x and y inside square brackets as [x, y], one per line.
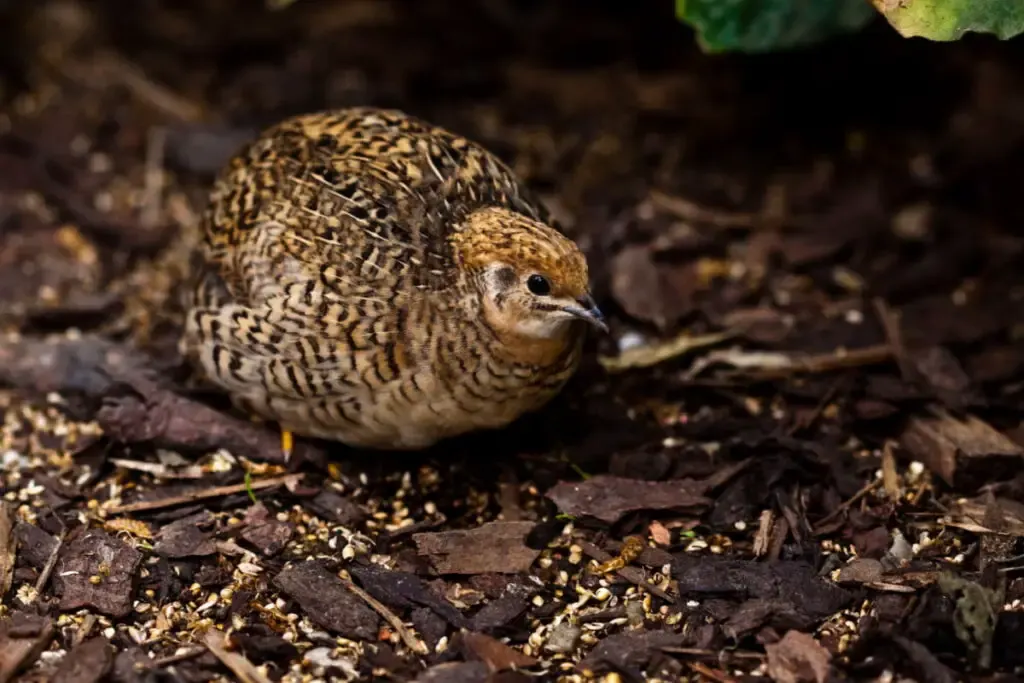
[287, 443]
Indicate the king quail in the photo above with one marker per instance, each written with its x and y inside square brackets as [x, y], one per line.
[369, 278]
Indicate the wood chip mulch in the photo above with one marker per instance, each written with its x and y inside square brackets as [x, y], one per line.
[797, 457]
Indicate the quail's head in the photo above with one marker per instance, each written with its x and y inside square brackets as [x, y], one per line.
[533, 281]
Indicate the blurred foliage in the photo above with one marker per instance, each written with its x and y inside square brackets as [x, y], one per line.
[951, 19]
[770, 25]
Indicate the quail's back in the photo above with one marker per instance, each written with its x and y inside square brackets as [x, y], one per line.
[370, 278]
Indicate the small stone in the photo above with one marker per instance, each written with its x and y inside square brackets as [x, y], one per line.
[635, 613]
[563, 638]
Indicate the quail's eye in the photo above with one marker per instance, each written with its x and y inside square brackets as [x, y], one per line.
[538, 284]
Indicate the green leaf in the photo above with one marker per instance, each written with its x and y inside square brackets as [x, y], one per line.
[946, 20]
[976, 614]
[758, 26]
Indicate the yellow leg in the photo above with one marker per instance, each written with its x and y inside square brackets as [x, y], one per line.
[287, 442]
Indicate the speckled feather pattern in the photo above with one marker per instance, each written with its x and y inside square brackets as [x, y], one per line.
[331, 292]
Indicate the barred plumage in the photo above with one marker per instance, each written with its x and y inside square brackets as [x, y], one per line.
[365, 277]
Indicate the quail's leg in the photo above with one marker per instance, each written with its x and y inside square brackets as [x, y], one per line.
[287, 442]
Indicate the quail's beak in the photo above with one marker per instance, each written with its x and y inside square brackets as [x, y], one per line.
[586, 309]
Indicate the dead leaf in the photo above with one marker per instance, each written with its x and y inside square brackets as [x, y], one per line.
[186, 538]
[266, 532]
[798, 658]
[495, 653]
[455, 672]
[649, 291]
[761, 325]
[944, 375]
[659, 533]
[97, 570]
[861, 570]
[496, 547]
[608, 498]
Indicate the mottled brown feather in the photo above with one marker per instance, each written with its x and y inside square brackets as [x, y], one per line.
[334, 293]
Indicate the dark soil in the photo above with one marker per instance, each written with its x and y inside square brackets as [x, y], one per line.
[797, 455]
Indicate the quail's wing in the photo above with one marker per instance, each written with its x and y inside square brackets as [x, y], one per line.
[374, 196]
[339, 232]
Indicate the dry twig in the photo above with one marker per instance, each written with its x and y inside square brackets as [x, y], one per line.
[239, 665]
[51, 562]
[632, 574]
[845, 505]
[8, 548]
[713, 674]
[151, 204]
[405, 634]
[204, 494]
